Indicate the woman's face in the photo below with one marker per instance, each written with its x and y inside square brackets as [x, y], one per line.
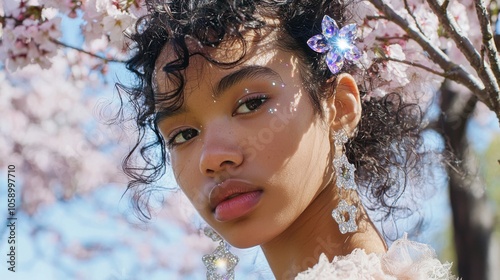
[246, 147]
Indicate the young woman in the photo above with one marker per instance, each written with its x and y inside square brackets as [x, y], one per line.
[253, 105]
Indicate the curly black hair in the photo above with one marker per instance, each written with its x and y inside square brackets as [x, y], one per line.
[386, 149]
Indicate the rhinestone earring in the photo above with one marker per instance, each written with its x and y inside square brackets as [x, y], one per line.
[344, 173]
[221, 262]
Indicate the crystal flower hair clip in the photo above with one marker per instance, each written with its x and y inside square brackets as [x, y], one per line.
[338, 43]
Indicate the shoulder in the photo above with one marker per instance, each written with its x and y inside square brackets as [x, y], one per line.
[405, 259]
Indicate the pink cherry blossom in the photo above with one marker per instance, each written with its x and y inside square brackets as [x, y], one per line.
[47, 124]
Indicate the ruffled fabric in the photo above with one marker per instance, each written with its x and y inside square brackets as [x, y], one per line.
[405, 260]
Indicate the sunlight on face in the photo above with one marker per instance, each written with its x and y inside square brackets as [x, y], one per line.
[246, 147]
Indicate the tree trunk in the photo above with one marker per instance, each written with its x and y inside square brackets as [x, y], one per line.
[473, 217]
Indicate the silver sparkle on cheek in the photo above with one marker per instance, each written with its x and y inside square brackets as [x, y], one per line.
[272, 110]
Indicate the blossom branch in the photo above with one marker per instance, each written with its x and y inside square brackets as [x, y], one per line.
[407, 7]
[488, 38]
[454, 31]
[453, 71]
[375, 17]
[482, 67]
[418, 65]
[106, 60]
[390, 38]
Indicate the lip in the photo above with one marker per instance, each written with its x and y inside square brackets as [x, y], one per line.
[233, 199]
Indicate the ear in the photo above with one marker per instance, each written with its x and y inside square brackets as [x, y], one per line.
[345, 104]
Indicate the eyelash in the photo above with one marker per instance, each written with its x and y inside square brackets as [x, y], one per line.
[241, 102]
[171, 141]
[263, 98]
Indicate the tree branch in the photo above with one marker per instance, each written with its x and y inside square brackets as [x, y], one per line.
[463, 43]
[454, 31]
[375, 17]
[488, 38]
[454, 72]
[389, 38]
[407, 7]
[106, 60]
[418, 65]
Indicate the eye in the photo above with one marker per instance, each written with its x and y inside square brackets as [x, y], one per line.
[182, 136]
[250, 104]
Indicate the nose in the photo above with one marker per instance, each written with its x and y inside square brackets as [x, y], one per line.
[220, 152]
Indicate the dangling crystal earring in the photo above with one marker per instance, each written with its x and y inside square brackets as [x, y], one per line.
[221, 263]
[344, 172]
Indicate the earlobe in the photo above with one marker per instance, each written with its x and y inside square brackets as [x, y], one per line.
[346, 104]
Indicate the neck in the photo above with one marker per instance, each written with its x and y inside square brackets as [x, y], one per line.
[316, 232]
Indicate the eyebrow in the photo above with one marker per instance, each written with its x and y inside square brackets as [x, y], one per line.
[246, 72]
[225, 83]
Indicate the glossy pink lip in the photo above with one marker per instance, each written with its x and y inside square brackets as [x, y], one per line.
[233, 199]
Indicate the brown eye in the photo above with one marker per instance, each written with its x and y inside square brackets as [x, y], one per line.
[250, 105]
[183, 136]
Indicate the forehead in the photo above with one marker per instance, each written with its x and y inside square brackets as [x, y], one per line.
[258, 48]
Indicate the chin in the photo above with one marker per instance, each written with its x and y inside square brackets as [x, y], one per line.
[242, 243]
[247, 236]
[243, 239]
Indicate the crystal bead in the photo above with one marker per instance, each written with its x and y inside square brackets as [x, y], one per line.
[348, 32]
[329, 27]
[353, 54]
[209, 232]
[334, 61]
[338, 215]
[346, 170]
[340, 137]
[318, 43]
[220, 264]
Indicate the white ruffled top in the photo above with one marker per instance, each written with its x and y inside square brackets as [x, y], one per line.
[404, 260]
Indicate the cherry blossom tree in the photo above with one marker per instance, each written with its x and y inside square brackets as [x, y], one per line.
[419, 47]
[429, 45]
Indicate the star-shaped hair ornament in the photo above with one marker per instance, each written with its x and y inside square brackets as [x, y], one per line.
[337, 42]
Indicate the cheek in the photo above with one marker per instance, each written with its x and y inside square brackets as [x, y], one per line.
[182, 167]
[310, 156]
[303, 149]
